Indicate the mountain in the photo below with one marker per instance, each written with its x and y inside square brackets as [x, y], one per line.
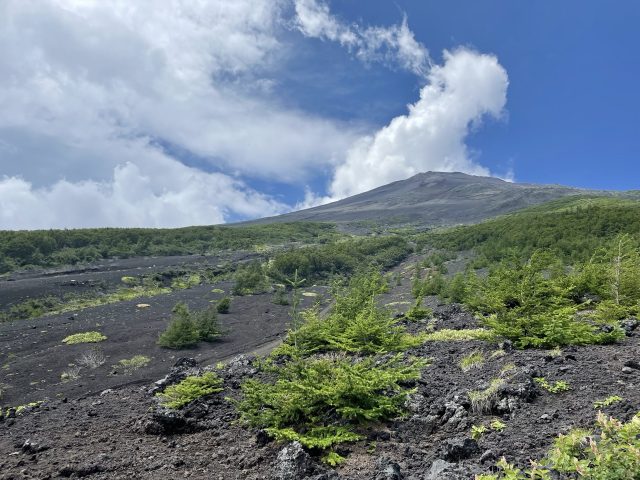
[433, 199]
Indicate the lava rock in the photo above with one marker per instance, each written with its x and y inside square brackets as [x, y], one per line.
[632, 364]
[240, 367]
[438, 467]
[293, 462]
[388, 470]
[167, 422]
[488, 456]
[29, 447]
[180, 370]
[629, 325]
[457, 449]
[185, 362]
[84, 470]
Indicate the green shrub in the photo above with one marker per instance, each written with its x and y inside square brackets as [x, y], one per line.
[187, 281]
[339, 259]
[607, 401]
[182, 331]
[223, 305]
[280, 295]
[321, 401]
[477, 431]
[535, 305]
[572, 228]
[556, 387]
[190, 389]
[19, 249]
[610, 452]
[355, 323]
[434, 284]
[497, 425]
[250, 279]
[85, 337]
[418, 312]
[206, 323]
[187, 328]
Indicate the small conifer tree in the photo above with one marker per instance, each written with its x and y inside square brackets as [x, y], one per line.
[182, 331]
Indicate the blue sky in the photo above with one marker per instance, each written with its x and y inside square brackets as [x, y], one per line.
[120, 114]
[573, 103]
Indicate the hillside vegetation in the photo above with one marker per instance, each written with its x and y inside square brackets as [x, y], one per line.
[50, 248]
[571, 228]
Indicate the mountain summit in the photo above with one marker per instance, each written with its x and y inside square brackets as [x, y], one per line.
[432, 199]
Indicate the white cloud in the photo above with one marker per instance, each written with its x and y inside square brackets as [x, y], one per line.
[169, 194]
[97, 95]
[89, 86]
[431, 136]
[392, 45]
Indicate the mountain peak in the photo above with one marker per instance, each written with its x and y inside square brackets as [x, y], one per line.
[430, 199]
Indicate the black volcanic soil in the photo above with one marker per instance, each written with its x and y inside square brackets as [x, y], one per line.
[33, 357]
[121, 433]
[21, 286]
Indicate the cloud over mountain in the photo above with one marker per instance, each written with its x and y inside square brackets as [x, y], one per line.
[164, 114]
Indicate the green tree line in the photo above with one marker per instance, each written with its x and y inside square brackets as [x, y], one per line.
[48, 248]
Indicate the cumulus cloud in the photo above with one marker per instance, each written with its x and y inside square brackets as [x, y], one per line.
[431, 136]
[158, 113]
[88, 87]
[392, 45]
[170, 194]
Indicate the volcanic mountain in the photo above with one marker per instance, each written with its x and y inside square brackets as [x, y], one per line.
[433, 199]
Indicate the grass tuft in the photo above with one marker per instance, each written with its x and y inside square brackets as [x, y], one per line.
[465, 335]
[483, 401]
[84, 337]
[474, 360]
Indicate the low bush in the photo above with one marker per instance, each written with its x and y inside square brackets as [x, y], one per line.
[71, 373]
[280, 295]
[542, 304]
[418, 312]
[250, 279]
[223, 305]
[187, 328]
[182, 331]
[556, 387]
[190, 389]
[130, 281]
[606, 402]
[84, 337]
[355, 324]
[206, 322]
[483, 401]
[608, 452]
[186, 281]
[339, 259]
[321, 401]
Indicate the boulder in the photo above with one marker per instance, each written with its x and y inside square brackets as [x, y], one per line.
[292, 463]
[457, 449]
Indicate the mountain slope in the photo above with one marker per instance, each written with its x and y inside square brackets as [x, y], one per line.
[433, 199]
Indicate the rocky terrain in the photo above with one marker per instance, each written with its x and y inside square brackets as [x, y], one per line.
[118, 430]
